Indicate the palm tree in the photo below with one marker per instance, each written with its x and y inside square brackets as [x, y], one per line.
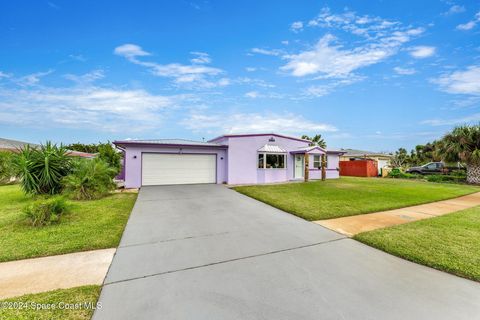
[317, 140]
[463, 144]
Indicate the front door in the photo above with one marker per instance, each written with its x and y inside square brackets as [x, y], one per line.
[299, 170]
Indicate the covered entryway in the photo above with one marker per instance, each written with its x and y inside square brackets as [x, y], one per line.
[299, 166]
[168, 169]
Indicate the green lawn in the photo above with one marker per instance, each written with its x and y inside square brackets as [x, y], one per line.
[82, 296]
[349, 196]
[450, 243]
[95, 224]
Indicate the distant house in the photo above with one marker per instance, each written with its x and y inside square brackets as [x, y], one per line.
[14, 145]
[233, 159]
[381, 159]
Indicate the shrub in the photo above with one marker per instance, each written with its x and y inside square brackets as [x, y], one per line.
[89, 148]
[90, 179]
[402, 175]
[46, 211]
[6, 167]
[111, 156]
[445, 178]
[42, 169]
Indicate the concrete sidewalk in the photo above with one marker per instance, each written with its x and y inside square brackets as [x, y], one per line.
[353, 225]
[55, 272]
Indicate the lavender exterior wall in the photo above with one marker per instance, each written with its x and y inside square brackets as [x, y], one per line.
[133, 161]
[239, 163]
[243, 159]
[313, 173]
[332, 166]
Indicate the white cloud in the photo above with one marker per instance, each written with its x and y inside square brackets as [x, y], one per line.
[252, 94]
[90, 108]
[4, 75]
[332, 60]
[296, 26]
[254, 82]
[77, 57]
[470, 24]
[87, 77]
[267, 52]
[420, 52]
[461, 82]
[474, 118]
[380, 39]
[201, 58]
[130, 51]
[250, 69]
[285, 42]
[254, 122]
[32, 79]
[327, 88]
[194, 76]
[467, 26]
[404, 71]
[466, 102]
[455, 9]
[360, 25]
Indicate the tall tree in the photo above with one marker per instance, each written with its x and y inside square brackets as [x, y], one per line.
[463, 144]
[317, 140]
[399, 158]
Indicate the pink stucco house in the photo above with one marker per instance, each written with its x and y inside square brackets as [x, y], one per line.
[231, 158]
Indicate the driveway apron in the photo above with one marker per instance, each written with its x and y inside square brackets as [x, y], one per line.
[207, 252]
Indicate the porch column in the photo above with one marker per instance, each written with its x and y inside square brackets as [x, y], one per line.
[306, 166]
[324, 169]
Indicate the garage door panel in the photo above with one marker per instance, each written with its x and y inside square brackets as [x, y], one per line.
[159, 169]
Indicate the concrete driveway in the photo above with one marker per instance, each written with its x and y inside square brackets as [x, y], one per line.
[207, 252]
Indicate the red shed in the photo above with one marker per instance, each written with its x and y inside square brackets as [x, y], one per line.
[359, 168]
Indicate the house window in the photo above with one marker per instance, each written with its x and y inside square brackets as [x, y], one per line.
[271, 161]
[261, 161]
[317, 164]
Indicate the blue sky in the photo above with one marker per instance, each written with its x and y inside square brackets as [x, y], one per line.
[372, 75]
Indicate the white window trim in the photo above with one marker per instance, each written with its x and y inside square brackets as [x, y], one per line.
[319, 161]
[265, 160]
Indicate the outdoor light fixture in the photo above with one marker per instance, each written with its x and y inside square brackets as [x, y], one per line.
[134, 157]
[272, 139]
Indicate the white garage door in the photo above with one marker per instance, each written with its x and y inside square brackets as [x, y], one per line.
[158, 169]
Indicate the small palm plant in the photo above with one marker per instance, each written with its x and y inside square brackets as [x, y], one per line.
[7, 171]
[463, 145]
[90, 179]
[42, 169]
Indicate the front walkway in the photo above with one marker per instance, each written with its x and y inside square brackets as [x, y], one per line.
[353, 225]
[55, 272]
